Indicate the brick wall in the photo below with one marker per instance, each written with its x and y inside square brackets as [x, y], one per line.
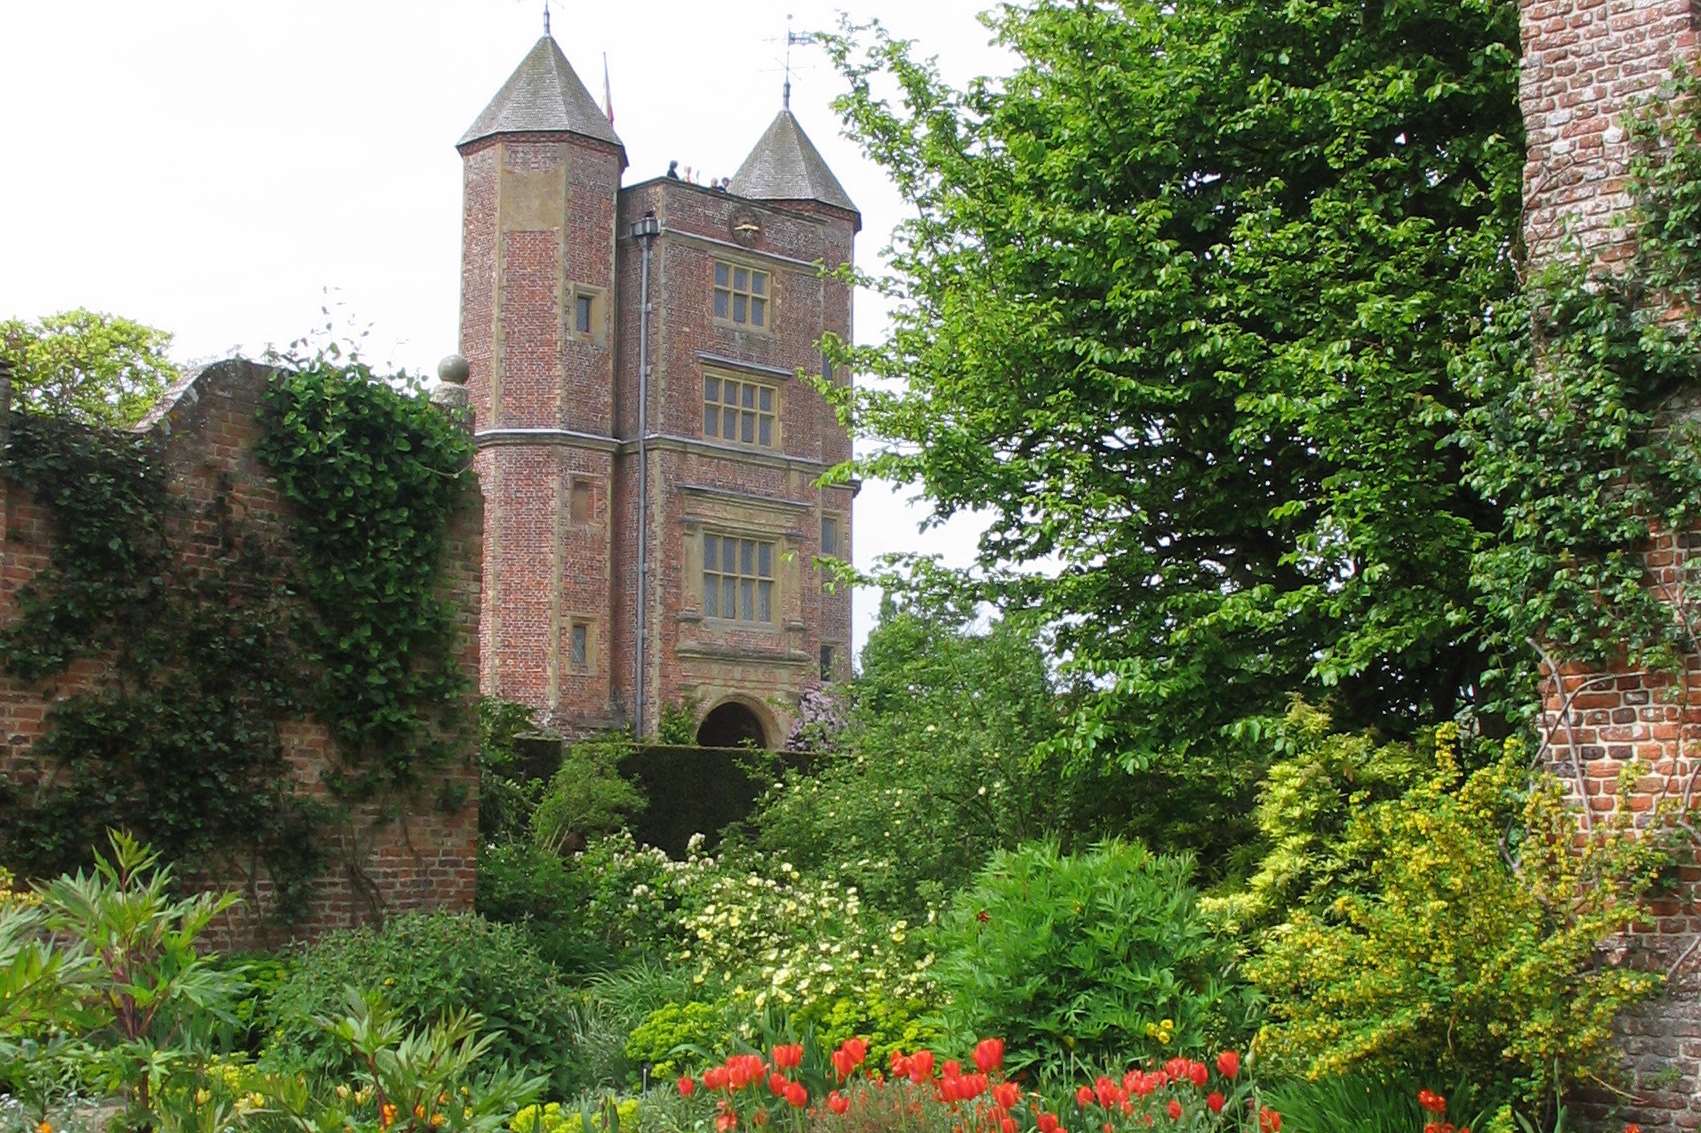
[1586, 64]
[424, 858]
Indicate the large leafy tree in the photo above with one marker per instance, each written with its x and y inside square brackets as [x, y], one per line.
[1176, 309]
[100, 369]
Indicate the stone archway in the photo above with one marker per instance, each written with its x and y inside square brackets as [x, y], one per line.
[732, 723]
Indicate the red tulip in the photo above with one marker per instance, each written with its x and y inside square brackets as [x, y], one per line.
[838, 1103]
[989, 1055]
[921, 1066]
[796, 1096]
[1007, 1124]
[788, 1056]
[1269, 1121]
[1047, 1123]
[1432, 1101]
[1228, 1063]
[1173, 1109]
[1005, 1095]
[777, 1083]
[687, 1085]
[1214, 1101]
[1084, 1096]
[726, 1121]
[1197, 1074]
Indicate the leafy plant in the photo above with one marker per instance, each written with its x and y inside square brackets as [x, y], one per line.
[1465, 953]
[105, 985]
[415, 1080]
[427, 967]
[586, 796]
[678, 723]
[374, 474]
[93, 368]
[1174, 308]
[507, 794]
[1086, 958]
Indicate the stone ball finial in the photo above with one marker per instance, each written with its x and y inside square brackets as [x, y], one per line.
[453, 369]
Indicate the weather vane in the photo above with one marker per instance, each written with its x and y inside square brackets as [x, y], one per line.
[545, 17]
[792, 37]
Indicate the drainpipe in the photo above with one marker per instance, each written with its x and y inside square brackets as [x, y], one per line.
[645, 231]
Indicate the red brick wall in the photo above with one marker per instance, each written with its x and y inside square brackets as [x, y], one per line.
[1586, 65]
[424, 858]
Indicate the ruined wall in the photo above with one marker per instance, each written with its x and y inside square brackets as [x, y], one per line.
[424, 857]
[1586, 66]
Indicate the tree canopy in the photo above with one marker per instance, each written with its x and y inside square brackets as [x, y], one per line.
[1178, 309]
[99, 369]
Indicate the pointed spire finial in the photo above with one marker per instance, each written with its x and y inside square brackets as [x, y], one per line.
[545, 17]
[791, 38]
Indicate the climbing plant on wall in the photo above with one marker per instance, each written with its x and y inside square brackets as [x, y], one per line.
[374, 475]
[210, 653]
[1575, 436]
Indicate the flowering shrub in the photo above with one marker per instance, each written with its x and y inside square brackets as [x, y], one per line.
[1458, 957]
[555, 1118]
[1087, 957]
[805, 949]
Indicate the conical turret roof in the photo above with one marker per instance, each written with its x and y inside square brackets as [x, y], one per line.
[786, 166]
[543, 95]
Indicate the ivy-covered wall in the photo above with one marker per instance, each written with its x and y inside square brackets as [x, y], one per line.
[248, 631]
[1611, 223]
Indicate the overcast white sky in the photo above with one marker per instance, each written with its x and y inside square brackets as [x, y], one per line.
[214, 168]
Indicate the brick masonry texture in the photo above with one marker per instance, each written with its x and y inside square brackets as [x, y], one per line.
[546, 221]
[1586, 66]
[424, 858]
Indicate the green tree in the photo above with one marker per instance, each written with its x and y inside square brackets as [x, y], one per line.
[1175, 310]
[939, 763]
[101, 369]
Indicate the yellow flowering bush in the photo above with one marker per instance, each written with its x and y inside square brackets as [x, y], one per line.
[556, 1118]
[1472, 949]
[14, 895]
[779, 943]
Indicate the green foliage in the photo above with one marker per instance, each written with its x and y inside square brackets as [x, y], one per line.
[586, 796]
[678, 723]
[585, 1118]
[938, 764]
[1174, 310]
[1311, 792]
[1365, 1104]
[803, 952]
[416, 1078]
[1568, 434]
[1100, 957]
[102, 983]
[507, 795]
[374, 474]
[426, 967]
[85, 366]
[209, 653]
[613, 904]
[696, 1026]
[1453, 957]
[105, 497]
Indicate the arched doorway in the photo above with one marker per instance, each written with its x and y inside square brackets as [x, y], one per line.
[731, 724]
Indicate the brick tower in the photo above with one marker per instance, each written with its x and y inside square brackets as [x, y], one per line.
[1587, 66]
[647, 442]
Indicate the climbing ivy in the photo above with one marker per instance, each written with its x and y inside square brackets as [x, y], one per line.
[375, 474]
[212, 652]
[104, 499]
[1575, 435]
